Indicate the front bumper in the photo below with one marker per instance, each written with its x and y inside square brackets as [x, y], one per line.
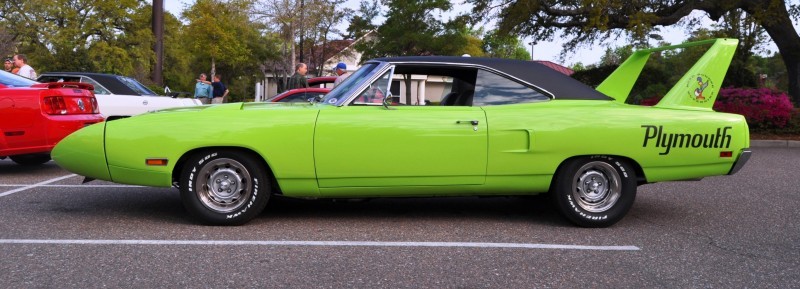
[83, 152]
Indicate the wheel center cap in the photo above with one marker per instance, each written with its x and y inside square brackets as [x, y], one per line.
[594, 186]
[224, 184]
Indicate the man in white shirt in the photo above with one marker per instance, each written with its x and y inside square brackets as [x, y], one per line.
[25, 70]
[341, 73]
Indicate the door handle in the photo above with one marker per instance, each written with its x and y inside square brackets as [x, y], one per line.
[474, 123]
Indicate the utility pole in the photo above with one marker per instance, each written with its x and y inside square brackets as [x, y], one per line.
[302, 26]
[158, 47]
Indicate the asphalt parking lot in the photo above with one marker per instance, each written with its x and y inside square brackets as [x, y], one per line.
[738, 231]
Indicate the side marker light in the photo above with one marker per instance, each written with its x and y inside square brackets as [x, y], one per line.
[156, 162]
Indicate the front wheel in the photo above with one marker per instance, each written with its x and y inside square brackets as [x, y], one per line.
[595, 191]
[223, 187]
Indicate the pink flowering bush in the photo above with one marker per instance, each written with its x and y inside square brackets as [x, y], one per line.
[762, 107]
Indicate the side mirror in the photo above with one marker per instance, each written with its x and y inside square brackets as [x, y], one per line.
[387, 101]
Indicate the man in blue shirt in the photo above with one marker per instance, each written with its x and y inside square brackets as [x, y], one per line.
[202, 90]
[220, 91]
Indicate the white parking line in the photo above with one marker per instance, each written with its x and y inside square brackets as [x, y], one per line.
[321, 243]
[75, 186]
[36, 185]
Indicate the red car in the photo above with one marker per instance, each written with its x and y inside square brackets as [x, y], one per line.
[300, 94]
[316, 87]
[322, 81]
[35, 116]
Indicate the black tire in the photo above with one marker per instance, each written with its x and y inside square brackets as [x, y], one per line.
[31, 160]
[224, 187]
[595, 191]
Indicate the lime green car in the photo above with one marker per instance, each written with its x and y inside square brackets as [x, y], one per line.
[500, 128]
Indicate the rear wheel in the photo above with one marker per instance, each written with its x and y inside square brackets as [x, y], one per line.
[224, 187]
[595, 191]
[31, 160]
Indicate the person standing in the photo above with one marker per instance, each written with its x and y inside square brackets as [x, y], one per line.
[220, 91]
[8, 65]
[25, 70]
[341, 73]
[202, 90]
[298, 79]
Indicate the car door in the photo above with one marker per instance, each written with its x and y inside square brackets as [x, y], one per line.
[374, 146]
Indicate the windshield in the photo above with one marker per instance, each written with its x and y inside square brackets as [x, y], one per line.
[135, 85]
[349, 84]
[13, 80]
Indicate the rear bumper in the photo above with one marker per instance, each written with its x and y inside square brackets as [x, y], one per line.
[60, 126]
[44, 134]
[744, 156]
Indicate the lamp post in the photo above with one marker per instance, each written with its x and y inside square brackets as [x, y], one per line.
[532, 43]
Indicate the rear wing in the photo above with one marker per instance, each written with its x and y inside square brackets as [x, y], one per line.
[51, 85]
[696, 90]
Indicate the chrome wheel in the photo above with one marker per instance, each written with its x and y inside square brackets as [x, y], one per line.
[596, 187]
[223, 185]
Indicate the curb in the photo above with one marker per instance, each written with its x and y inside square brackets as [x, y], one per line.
[775, 143]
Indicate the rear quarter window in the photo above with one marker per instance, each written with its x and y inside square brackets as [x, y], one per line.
[494, 89]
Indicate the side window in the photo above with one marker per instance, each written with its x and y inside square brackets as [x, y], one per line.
[48, 78]
[97, 88]
[376, 92]
[493, 89]
[444, 85]
[136, 86]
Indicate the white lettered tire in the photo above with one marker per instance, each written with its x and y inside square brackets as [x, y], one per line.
[595, 191]
[224, 187]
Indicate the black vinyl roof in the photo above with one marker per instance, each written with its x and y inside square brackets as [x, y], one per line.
[109, 81]
[560, 85]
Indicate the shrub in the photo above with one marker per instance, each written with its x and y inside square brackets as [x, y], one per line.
[762, 107]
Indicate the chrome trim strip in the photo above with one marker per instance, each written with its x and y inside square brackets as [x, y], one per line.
[744, 156]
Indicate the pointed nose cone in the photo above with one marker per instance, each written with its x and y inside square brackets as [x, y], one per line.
[83, 152]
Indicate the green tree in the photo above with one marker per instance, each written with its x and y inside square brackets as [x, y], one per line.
[222, 37]
[68, 34]
[458, 39]
[215, 31]
[587, 21]
[321, 21]
[504, 46]
[411, 28]
[362, 22]
[179, 74]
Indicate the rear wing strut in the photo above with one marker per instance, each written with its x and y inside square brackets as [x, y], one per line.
[696, 90]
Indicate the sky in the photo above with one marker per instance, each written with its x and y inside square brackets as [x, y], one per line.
[543, 50]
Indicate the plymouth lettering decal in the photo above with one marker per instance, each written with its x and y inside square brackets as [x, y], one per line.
[655, 136]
